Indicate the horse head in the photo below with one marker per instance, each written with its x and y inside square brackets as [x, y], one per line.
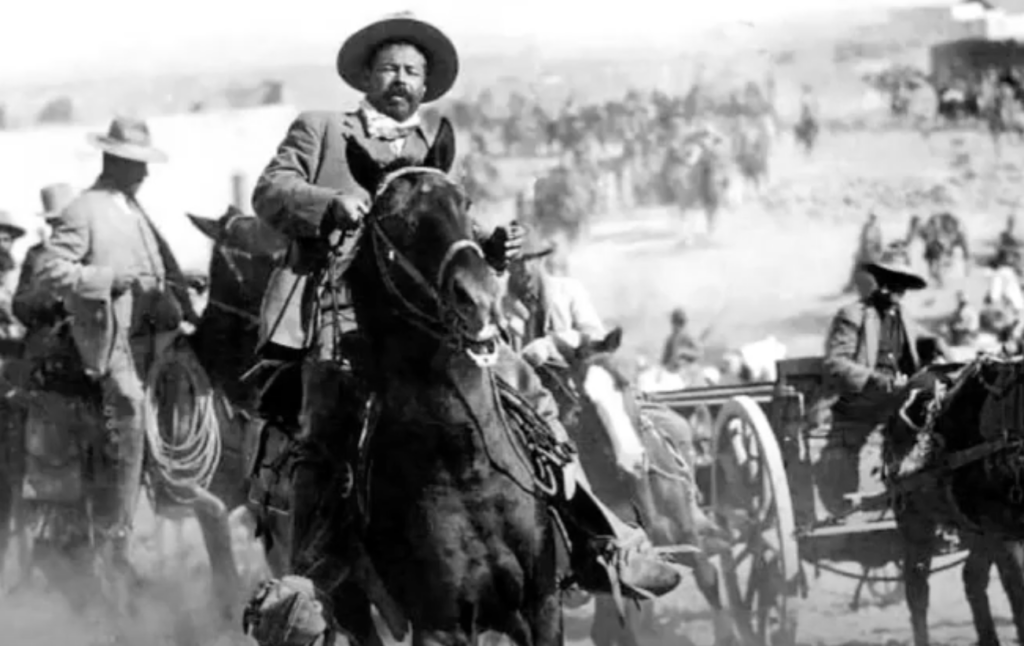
[244, 252]
[418, 259]
[595, 391]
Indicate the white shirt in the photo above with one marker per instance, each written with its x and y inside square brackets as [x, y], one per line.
[1004, 289]
[378, 123]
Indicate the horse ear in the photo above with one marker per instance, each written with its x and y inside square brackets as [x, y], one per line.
[442, 152]
[610, 343]
[209, 228]
[613, 340]
[364, 169]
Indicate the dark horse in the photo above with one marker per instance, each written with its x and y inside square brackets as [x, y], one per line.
[973, 484]
[454, 523]
[594, 396]
[245, 251]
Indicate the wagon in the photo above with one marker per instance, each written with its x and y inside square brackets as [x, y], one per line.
[756, 477]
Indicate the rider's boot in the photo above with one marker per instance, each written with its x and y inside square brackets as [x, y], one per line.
[291, 610]
[608, 554]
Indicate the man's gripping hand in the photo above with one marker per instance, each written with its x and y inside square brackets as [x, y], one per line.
[345, 212]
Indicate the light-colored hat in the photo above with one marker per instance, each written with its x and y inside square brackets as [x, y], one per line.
[129, 139]
[8, 223]
[55, 198]
[442, 58]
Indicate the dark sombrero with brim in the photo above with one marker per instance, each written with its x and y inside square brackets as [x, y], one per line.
[128, 138]
[895, 273]
[442, 58]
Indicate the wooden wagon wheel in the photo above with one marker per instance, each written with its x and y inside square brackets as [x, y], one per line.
[750, 496]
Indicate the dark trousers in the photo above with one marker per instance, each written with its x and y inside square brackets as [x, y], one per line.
[333, 406]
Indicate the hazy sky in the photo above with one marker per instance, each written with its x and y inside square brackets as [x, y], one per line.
[43, 39]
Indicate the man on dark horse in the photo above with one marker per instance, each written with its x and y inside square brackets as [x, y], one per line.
[308, 193]
[870, 352]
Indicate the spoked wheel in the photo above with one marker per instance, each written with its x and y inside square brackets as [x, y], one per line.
[751, 499]
[884, 586]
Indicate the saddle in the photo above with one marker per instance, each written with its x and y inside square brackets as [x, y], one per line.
[60, 416]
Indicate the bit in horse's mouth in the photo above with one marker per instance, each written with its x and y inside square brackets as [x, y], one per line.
[483, 349]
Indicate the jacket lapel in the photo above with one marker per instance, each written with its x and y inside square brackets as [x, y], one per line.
[175, 277]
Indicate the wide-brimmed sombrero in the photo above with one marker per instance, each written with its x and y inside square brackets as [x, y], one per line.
[129, 139]
[894, 272]
[442, 58]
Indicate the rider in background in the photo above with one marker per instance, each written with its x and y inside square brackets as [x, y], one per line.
[964, 324]
[1008, 242]
[1004, 300]
[10, 231]
[544, 310]
[681, 350]
[33, 306]
[869, 249]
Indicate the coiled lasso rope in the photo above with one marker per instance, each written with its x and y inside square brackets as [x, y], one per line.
[183, 458]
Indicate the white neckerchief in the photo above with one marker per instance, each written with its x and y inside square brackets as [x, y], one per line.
[381, 126]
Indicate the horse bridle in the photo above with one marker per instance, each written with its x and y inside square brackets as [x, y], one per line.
[229, 254]
[448, 325]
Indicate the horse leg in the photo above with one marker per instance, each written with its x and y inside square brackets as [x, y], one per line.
[545, 598]
[352, 611]
[975, 576]
[917, 558]
[1010, 561]
[608, 629]
[706, 575]
[212, 516]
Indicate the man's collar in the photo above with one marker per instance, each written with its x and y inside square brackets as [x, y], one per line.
[378, 125]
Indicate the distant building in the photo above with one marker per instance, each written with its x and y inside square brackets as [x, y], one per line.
[997, 19]
[949, 20]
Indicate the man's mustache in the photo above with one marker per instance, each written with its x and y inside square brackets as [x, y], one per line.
[399, 90]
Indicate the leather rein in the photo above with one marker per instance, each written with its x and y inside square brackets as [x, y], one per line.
[447, 325]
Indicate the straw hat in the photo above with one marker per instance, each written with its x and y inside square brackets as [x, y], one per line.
[442, 58]
[129, 139]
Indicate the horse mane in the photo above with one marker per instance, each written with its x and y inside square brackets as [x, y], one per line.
[615, 366]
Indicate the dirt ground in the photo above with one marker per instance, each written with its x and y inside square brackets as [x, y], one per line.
[776, 267]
